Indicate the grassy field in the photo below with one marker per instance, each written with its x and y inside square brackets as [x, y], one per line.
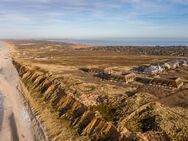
[67, 55]
[117, 102]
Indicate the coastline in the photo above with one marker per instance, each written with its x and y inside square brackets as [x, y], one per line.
[126, 42]
[39, 79]
[16, 123]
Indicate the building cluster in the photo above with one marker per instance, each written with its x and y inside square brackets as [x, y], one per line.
[156, 69]
[161, 67]
[112, 74]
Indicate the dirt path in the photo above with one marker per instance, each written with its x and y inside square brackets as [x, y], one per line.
[15, 124]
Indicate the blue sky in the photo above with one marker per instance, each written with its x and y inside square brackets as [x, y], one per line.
[94, 19]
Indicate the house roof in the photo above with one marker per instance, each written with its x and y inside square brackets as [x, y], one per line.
[164, 81]
[129, 73]
[172, 77]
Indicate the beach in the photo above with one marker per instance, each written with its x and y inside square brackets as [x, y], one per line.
[15, 123]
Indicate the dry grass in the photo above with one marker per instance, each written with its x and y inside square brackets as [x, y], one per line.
[57, 129]
[64, 61]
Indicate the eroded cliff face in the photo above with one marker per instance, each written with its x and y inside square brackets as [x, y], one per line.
[50, 91]
[137, 117]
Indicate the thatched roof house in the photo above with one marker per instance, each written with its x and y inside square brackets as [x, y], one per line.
[173, 64]
[96, 70]
[174, 82]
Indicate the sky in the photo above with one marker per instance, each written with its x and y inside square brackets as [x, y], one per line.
[94, 19]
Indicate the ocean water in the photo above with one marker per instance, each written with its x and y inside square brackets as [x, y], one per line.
[128, 42]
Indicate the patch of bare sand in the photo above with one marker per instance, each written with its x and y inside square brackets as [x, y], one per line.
[78, 46]
[10, 46]
[15, 116]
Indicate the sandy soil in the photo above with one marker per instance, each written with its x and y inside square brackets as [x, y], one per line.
[78, 46]
[15, 123]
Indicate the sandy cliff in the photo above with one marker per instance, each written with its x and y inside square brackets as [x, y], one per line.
[82, 119]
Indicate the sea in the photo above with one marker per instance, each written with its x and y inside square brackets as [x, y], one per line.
[127, 42]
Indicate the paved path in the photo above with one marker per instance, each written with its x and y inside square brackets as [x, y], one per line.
[15, 124]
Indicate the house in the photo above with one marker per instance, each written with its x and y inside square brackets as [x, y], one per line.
[173, 64]
[167, 66]
[183, 63]
[140, 69]
[129, 77]
[169, 81]
[151, 69]
[119, 75]
[154, 69]
[144, 80]
[113, 71]
[96, 70]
